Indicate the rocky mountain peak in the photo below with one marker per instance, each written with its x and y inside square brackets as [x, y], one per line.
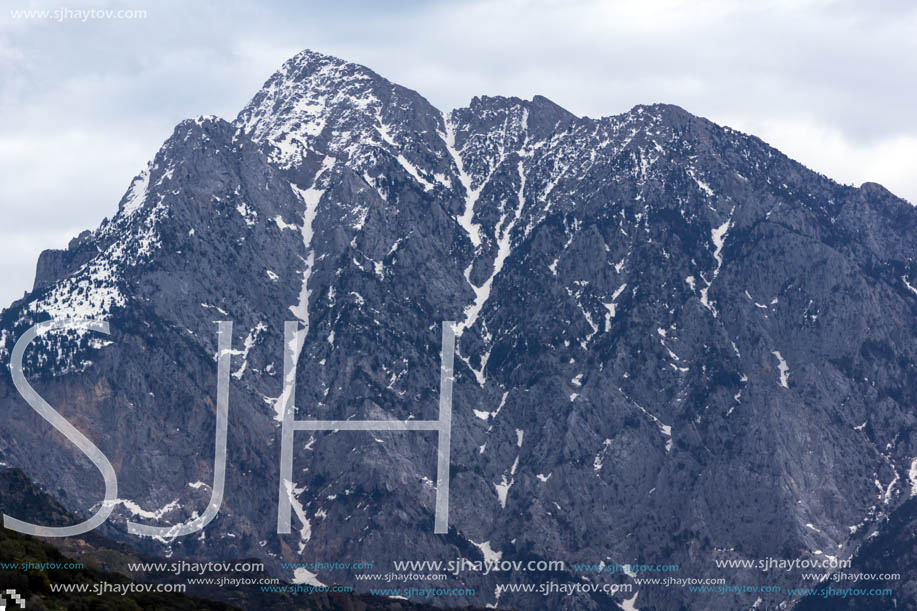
[672, 340]
[321, 105]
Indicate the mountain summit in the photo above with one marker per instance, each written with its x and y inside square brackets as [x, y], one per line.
[674, 344]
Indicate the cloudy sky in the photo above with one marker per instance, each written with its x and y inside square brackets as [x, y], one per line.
[84, 104]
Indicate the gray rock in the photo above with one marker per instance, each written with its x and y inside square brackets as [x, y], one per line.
[676, 344]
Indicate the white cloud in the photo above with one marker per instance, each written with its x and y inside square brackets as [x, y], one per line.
[21, 248]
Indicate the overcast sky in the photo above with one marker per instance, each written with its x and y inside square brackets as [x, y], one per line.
[84, 105]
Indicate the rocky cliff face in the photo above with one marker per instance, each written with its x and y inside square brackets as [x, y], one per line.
[674, 345]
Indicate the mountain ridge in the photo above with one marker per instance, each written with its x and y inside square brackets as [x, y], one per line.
[42, 278]
[661, 338]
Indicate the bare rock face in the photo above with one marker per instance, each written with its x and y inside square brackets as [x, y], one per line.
[674, 345]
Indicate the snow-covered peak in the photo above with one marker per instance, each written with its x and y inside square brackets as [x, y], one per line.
[298, 94]
[91, 283]
[321, 104]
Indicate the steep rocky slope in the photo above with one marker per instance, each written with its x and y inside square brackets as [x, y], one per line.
[674, 345]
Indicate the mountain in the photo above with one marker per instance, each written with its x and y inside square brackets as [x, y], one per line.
[888, 558]
[104, 560]
[19, 495]
[674, 344]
